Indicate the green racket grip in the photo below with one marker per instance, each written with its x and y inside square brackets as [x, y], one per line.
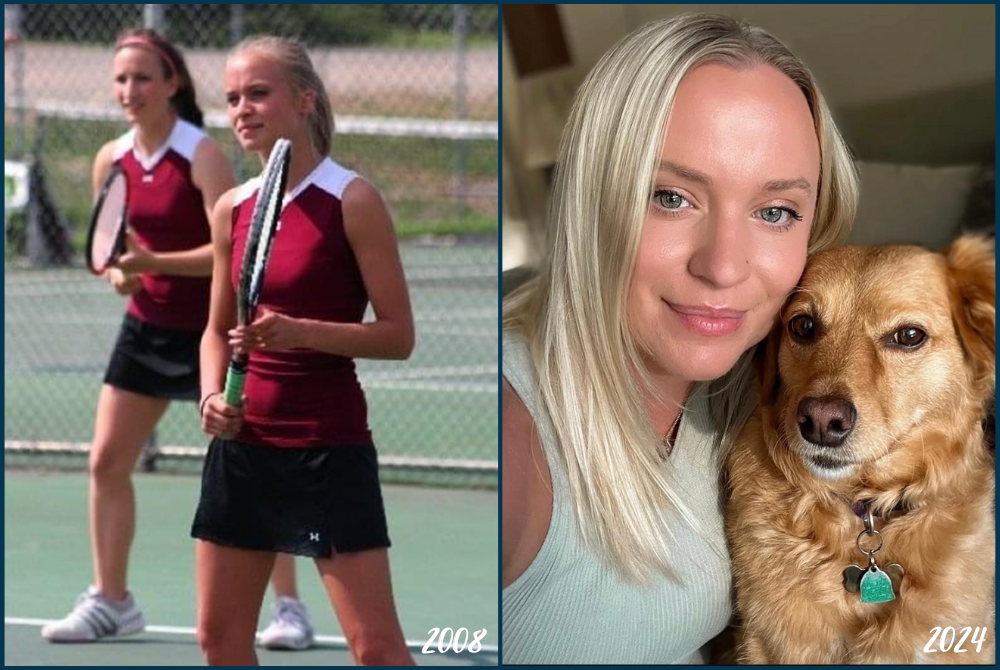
[235, 378]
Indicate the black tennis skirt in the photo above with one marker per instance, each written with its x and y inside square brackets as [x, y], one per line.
[314, 501]
[155, 361]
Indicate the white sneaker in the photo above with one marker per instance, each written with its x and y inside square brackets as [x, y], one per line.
[95, 617]
[290, 627]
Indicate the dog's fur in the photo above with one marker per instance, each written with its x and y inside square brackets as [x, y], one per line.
[917, 440]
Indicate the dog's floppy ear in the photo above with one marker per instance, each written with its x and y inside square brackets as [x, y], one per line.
[972, 280]
[766, 363]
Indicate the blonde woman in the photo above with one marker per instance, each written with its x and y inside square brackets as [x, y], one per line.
[300, 475]
[698, 169]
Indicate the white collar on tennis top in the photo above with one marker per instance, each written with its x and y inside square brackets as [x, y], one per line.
[184, 139]
[328, 175]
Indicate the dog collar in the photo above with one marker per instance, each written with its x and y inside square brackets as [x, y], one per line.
[860, 507]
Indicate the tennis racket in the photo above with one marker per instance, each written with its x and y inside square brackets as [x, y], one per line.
[260, 236]
[106, 238]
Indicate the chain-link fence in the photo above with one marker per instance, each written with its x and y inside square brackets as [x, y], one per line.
[414, 89]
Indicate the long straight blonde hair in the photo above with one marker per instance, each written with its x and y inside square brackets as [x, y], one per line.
[574, 313]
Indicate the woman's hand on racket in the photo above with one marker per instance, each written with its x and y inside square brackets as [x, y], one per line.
[124, 282]
[220, 419]
[136, 257]
[270, 331]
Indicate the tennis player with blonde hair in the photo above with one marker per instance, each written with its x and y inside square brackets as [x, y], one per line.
[294, 469]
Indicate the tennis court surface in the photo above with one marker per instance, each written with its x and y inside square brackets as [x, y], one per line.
[434, 418]
[444, 568]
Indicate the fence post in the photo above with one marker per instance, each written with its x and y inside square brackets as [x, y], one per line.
[461, 28]
[150, 452]
[235, 24]
[236, 30]
[152, 17]
[12, 24]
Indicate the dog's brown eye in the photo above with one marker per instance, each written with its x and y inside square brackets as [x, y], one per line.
[802, 327]
[911, 338]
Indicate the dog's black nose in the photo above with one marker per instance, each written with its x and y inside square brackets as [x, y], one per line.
[826, 421]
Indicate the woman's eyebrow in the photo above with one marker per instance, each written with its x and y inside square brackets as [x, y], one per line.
[685, 172]
[771, 186]
[788, 185]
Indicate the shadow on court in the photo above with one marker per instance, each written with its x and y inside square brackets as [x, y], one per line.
[443, 558]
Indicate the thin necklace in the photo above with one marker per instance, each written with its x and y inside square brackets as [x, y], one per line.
[668, 445]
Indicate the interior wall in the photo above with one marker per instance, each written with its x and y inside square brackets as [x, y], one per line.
[909, 85]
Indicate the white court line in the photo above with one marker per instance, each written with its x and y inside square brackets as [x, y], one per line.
[463, 332]
[69, 287]
[418, 384]
[450, 315]
[57, 289]
[418, 379]
[16, 316]
[430, 373]
[198, 453]
[449, 273]
[431, 387]
[184, 630]
[80, 280]
[346, 125]
[84, 283]
[65, 320]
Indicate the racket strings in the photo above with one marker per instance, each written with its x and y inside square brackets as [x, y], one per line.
[272, 213]
[108, 223]
[262, 223]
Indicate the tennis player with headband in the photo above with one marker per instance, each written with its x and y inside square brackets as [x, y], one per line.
[301, 474]
[175, 174]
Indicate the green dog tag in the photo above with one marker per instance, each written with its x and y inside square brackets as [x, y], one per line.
[876, 587]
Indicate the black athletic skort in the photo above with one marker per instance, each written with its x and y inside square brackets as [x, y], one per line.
[155, 361]
[313, 501]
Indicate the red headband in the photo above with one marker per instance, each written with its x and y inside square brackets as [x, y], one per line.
[146, 43]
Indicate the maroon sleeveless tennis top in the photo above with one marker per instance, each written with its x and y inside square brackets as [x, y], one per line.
[166, 213]
[304, 398]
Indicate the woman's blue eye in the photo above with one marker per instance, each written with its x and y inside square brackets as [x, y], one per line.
[772, 214]
[779, 215]
[668, 199]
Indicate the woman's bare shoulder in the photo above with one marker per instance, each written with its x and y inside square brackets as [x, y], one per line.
[517, 422]
[527, 487]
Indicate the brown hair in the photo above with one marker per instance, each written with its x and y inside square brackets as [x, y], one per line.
[183, 101]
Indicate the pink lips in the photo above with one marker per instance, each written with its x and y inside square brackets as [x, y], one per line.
[708, 321]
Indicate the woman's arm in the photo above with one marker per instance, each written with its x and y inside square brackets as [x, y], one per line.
[527, 489]
[102, 166]
[217, 417]
[372, 238]
[211, 174]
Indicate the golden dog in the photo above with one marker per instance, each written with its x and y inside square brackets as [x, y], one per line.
[872, 400]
